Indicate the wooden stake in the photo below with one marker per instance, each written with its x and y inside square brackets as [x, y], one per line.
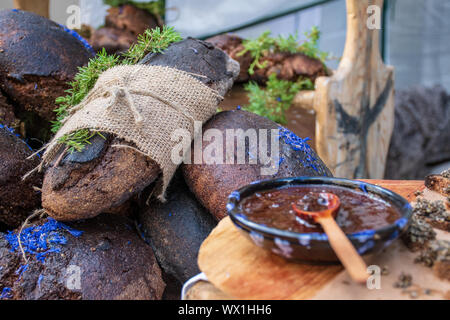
[40, 7]
[355, 106]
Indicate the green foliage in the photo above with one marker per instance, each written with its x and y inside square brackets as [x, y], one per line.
[266, 44]
[156, 8]
[257, 47]
[310, 46]
[273, 101]
[289, 44]
[155, 40]
[82, 83]
[276, 98]
[76, 141]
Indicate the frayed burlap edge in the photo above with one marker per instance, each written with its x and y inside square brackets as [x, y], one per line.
[143, 105]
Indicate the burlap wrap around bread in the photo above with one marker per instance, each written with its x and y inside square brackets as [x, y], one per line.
[143, 105]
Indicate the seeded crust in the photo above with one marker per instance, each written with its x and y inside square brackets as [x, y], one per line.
[437, 255]
[438, 183]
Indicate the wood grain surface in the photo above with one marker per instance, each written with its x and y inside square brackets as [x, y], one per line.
[355, 105]
[237, 269]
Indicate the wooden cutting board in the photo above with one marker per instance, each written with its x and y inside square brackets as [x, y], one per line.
[237, 269]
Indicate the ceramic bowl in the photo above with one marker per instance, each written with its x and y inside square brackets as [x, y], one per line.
[314, 247]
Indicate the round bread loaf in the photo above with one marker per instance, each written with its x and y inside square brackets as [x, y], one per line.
[37, 59]
[212, 183]
[176, 229]
[98, 259]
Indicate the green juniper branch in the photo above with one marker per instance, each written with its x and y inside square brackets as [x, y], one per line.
[265, 44]
[82, 83]
[156, 8]
[276, 98]
[155, 40]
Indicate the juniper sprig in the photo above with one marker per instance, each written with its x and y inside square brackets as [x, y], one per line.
[275, 99]
[156, 8]
[152, 40]
[266, 44]
[82, 83]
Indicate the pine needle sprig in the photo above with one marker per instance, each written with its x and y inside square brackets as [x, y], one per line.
[310, 47]
[76, 141]
[156, 8]
[257, 48]
[152, 40]
[276, 98]
[273, 100]
[82, 83]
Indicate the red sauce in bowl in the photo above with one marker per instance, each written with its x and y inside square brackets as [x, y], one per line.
[358, 210]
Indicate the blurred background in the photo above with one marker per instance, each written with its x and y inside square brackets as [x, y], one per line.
[416, 39]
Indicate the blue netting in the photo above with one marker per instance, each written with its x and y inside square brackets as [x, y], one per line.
[79, 38]
[299, 144]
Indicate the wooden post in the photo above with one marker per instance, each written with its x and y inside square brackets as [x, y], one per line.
[355, 106]
[40, 7]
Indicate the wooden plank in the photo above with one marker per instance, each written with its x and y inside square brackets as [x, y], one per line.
[204, 290]
[237, 268]
[240, 269]
[405, 188]
[398, 259]
[355, 106]
[40, 7]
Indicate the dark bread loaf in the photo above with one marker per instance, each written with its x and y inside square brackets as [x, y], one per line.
[18, 199]
[213, 183]
[101, 176]
[128, 17]
[81, 188]
[122, 26]
[37, 59]
[176, 229]
[114, 41]
[114, 264]
[232, 45]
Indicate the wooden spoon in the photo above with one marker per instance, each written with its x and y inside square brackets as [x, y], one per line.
[341, 245]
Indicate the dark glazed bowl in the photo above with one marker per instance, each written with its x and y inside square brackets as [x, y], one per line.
[314, 247]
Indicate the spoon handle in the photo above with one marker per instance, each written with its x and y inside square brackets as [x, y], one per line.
[344, 250]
